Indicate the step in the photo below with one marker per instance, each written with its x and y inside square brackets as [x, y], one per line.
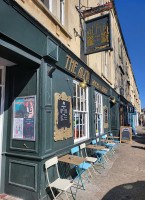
[8, 197]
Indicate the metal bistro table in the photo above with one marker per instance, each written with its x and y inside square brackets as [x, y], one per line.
[74, 160]
[97, 147]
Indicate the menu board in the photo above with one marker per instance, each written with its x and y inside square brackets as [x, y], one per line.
[24, 118]
[63, 114]
[62, 117]
[126, 134]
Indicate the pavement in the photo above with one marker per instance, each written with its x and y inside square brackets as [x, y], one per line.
[123, 177]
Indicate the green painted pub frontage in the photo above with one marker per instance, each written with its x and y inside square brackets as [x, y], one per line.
[45, 111]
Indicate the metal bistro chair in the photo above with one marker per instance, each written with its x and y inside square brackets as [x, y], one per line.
[111, 146]
[90, 159]
[102, 153]
[113, 138]
[81, 168]
[61, 184]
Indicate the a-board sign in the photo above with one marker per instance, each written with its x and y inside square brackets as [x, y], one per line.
[125, 134]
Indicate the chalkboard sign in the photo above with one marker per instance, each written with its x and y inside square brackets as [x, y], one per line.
[126, 134]
[62, 117]
[63, 114]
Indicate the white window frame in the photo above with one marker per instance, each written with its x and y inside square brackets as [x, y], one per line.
[84, 111]
[50, 5]
[62, 12]
[99, 104]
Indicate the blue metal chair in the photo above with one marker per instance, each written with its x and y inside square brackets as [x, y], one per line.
[111, 137]
[111, 145]
[81, 168]
[90, 159]
[101, 153]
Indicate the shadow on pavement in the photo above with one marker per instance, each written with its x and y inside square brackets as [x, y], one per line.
[138, 147]
[130, 191]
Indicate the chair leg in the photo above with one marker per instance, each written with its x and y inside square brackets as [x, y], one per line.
[93, 168]
[89, 173]
[79, 175]
[66, 195]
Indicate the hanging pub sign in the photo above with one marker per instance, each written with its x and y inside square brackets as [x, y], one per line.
[24, 118]
[63, 117]
[96, 10]
[97, 35]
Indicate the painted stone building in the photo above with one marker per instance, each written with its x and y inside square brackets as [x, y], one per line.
[44, 109]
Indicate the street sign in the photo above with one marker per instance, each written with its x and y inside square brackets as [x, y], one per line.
[131, 109]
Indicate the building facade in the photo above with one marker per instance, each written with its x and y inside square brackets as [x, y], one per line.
[44, 110]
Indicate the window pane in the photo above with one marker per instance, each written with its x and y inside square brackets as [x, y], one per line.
[74, 90]
[74, 103]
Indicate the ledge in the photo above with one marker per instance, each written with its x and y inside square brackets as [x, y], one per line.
[53, 18]
[106, 79]
[45, 10]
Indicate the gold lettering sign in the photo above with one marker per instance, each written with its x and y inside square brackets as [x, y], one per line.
[63, 117]
[72, 66]
[98, 86]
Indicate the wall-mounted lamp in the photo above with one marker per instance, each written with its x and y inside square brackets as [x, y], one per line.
[112, 99]
[82, 84]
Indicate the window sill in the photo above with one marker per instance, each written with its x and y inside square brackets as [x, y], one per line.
[45, 10]
[77, 141]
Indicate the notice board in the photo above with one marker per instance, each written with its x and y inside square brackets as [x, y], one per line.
[24, 118]
[125, 134]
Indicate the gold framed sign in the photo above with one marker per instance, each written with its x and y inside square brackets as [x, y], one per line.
[63, 117]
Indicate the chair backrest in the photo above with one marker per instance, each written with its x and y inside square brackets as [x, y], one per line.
[82, 146]
[94, 141]
[104, 137]
[111, 134]
[49, 163]
[75, 150]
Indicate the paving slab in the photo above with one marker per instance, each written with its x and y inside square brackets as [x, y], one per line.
[123, 177]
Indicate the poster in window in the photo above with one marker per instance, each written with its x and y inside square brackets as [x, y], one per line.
[105, 115]
[24, 118]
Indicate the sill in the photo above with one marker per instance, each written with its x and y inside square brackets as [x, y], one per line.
[43, 8]
[80, 140]
[106, 79]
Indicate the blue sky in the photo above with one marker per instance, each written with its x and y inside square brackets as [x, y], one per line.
[131, 14]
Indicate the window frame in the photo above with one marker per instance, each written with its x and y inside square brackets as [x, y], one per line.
[99, 112]
[62, 12]
[78, 110]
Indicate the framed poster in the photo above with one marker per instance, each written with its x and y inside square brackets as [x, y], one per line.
[125, 134]
[24, 118]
